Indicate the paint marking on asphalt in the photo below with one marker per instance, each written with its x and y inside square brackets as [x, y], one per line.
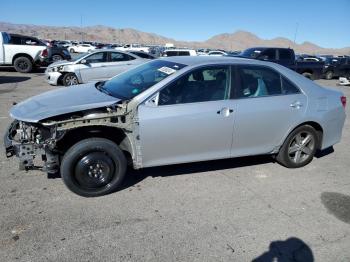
[3, 117]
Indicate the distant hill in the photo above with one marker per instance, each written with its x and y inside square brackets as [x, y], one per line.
[239, 40]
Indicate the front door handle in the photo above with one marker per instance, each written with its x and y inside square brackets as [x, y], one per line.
[296, 104]
[225, 111]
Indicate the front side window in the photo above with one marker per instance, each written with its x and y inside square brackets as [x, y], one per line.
[269, 54]
[119, 57]
[200, 85]
[96, 58]
[257, 81]
[285, 54]
[184, 53]
[171, 53]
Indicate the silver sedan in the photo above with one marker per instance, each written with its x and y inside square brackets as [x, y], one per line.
[93, 66]
[175, 110]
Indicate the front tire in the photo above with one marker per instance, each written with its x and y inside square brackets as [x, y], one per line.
[93, 167]
[23, 64]
[308, 75]
[299, 148]
[70, 79]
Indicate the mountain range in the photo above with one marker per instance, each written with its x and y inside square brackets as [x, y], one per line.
[238, 40]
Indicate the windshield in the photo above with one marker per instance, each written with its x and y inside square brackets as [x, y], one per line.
[251, 52]
[132, 82]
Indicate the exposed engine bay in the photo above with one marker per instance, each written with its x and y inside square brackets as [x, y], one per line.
[29, 141]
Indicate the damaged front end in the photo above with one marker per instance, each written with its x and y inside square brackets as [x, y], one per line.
[28, 140]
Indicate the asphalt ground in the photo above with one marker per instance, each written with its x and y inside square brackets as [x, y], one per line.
[228, 210]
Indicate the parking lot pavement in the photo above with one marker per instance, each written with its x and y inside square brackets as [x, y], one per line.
[228, 210]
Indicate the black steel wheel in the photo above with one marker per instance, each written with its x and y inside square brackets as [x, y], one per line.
[93, 167]
[23, 64]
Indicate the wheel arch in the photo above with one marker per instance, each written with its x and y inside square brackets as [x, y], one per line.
[22, 55]
[316, 126]
[117, 135]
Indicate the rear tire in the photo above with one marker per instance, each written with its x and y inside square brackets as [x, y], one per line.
[71, 50]
[299, 147]
[329, 75]
[23, 64]
[93, 167]
[57, 58]
[70, 79]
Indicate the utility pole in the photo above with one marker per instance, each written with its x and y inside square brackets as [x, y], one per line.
[296, 31]
[81, 27]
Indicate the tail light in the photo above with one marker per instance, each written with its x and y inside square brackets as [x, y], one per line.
[343, 100]
[44, 53]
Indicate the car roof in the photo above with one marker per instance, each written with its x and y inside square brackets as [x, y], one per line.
[179, 49]
[197, 60]
[112, 50]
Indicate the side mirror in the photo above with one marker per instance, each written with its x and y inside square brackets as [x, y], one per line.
[83, 61]
[153, 101]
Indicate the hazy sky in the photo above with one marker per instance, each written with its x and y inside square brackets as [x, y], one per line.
[324, 22]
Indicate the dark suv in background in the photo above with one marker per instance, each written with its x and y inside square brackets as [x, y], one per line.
[336, 67]
[285, 57]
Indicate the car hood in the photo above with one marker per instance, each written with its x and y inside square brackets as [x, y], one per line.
[61, 101]
[61, 63]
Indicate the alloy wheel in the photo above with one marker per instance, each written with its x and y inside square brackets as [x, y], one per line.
[301, 147]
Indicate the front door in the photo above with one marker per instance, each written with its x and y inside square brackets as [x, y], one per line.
[193, 120]
[94, 68]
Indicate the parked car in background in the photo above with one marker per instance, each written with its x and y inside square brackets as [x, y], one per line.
[133, 47]
[285, 57]
[20, 51]
[111, 46]
[95, 66]
[179, 52]
[217, 53]
[174, 110]
[142, 54]
[337, 67]
[305, 57]
[54, 54]
[343, 81]
[81, 48]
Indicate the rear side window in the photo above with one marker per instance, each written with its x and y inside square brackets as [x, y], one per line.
[288, 87]
[257, 81]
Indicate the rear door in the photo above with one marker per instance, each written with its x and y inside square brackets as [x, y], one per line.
[94, 68]
[268, 106]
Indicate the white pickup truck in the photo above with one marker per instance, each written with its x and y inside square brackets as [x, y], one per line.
[22, 56]
[133, 47]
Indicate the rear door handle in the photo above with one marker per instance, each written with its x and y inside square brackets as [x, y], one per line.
[296, 104]
[225, 111]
